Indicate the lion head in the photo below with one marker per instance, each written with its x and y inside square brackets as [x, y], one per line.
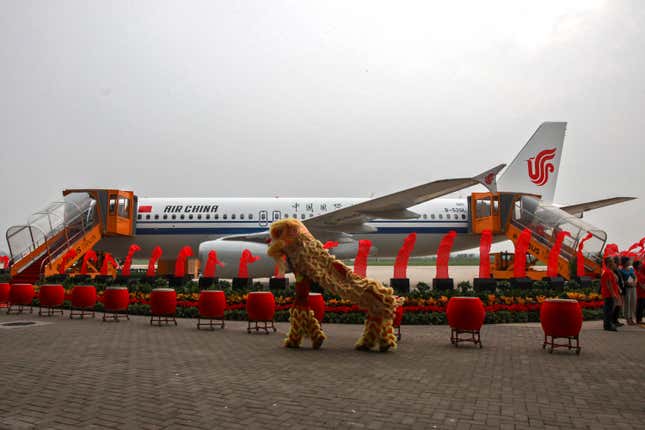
[283, 233]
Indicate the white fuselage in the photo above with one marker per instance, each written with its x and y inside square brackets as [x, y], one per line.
[173, 223]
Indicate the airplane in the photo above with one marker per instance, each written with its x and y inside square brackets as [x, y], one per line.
[230, 225]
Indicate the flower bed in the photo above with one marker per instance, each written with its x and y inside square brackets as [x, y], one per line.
[422, 306]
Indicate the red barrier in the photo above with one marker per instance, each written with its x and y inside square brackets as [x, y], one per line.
[521, 246]
[156, 255]
[580, 259]
[5, 261]
[360, 261]
[484, 253]
[245, 259]
[402, 258]
[128, 259]
[554, 254]
[211, 264]
[443, 254]
[180, 264]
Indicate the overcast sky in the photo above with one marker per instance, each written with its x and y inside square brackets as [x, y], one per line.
[272, 98]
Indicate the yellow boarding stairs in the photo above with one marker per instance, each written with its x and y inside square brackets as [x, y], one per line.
[79, 222]
[508, 214]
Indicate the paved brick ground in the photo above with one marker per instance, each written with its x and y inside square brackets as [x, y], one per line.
[88, 374]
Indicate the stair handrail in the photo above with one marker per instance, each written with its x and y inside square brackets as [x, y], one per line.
[45, 237]
[70, 240]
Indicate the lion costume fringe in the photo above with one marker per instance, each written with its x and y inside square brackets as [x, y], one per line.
[307, 257]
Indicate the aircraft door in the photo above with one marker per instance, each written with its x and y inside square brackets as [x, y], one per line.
[120, 214]
[263, 218]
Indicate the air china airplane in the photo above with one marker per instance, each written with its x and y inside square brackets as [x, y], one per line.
[230, 225]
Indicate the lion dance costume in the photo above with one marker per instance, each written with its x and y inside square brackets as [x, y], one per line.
[303, 323]
[311, 262]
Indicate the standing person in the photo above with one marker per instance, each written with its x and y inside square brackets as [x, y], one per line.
[629, 277]
[640, 287]
[610, 293]
[621, 291]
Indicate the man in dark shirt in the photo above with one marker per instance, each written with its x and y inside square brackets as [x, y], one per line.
[621, 289]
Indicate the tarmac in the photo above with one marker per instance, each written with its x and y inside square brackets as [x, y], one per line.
[86, 374]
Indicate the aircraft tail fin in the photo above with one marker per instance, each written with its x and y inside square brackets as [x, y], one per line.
[535, 169]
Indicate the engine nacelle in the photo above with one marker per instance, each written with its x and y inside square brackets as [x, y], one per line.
[229, 253]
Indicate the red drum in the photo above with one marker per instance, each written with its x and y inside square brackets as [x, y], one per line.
[212, 304]
[465, 313]
[21, 294]
[4, 293]
[317, 304]
[116, 299]
[260, 306]
[52, 295]
[83, 296]
[561, 317]
[163, 302]
[398, 316]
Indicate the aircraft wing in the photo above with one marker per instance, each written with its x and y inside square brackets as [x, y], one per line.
[581, 208]
[395, 205]
[337, 224]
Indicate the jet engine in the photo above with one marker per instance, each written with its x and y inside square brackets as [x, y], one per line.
[229, 253]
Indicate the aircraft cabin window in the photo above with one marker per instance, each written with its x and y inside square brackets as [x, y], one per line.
[208, 216]
[174, 216]
[199, 216]
[302, 216]
[286, 215]
[432, 216]
[139, 216]
[112, 203]
[455, 216]
[165, 217]
[425, 216]
[295, 216]
[463, 216]
[190, 216]
[216, 216]
[124, 207]
[440, 216]
[156, 216]
[233, 216]
[182, 216]
[147, 216]
[250, 216]
[224, 216]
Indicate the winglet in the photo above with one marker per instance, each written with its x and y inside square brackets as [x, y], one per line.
[489, 178]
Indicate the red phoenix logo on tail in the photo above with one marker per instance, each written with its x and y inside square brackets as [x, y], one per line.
[541, 166]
